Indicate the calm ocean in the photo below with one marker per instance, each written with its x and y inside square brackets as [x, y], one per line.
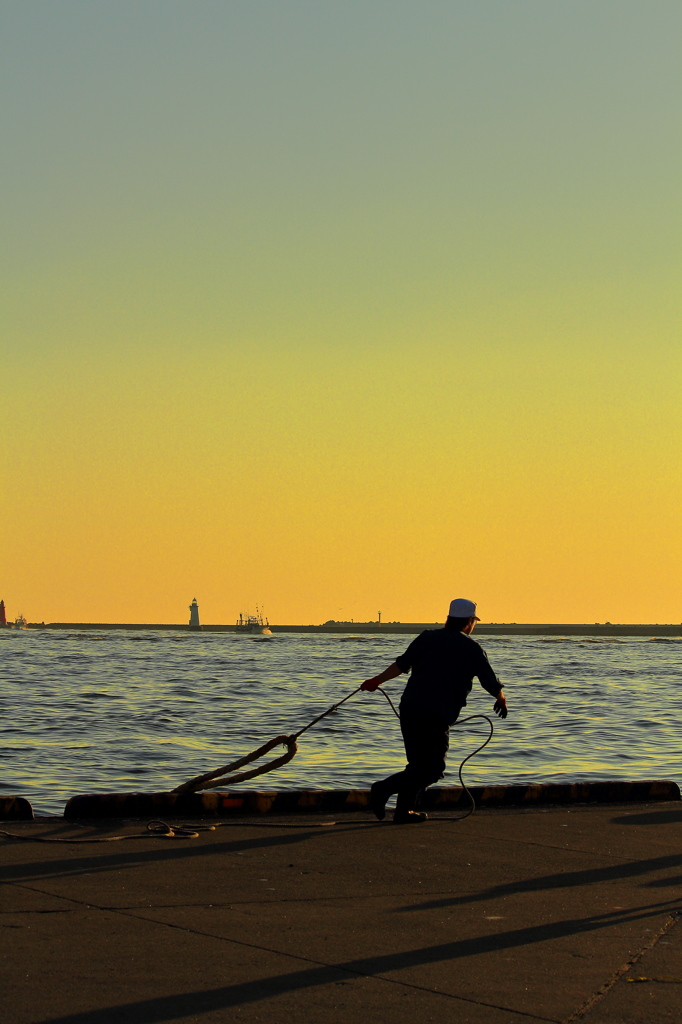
[119, 711]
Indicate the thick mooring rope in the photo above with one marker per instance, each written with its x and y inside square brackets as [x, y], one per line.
[220, 777]
[216, 779]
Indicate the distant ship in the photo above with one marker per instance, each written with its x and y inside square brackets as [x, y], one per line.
[253, 624]
[20, 622]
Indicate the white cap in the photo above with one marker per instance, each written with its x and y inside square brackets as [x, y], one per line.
[460, 608]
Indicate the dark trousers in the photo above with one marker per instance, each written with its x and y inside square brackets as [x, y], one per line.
[427, 737]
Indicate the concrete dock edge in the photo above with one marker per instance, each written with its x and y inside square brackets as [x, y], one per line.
[339, 801]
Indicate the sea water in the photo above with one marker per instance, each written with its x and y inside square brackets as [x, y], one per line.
[122, 711]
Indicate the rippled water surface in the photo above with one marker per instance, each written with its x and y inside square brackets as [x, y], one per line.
[122, 711]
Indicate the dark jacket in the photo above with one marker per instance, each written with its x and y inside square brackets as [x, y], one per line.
[443, 663]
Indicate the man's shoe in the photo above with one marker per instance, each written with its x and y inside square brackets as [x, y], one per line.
[377, 800]
[409, 817]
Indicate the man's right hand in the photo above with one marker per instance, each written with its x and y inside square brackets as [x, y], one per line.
[375, 682]
[500, 705]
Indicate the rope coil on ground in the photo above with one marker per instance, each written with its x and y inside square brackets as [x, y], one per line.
[156, 829]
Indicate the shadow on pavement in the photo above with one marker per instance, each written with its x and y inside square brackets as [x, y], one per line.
[562, 880]
[667, 817]
[186, 1004]
[46, 868]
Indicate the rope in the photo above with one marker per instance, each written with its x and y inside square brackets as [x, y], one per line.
[468, 758]
[393, 707]
[220, 777]
[209, 780]
[327, 712]
[156, 829]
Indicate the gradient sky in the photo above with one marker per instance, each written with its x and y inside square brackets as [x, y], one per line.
[341, 307]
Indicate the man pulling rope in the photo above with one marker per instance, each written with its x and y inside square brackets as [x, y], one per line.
[443, 663]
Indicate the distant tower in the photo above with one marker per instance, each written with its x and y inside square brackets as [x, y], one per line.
[194, 615]
[3, 617]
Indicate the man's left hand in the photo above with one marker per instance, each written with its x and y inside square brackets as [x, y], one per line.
[500, 706]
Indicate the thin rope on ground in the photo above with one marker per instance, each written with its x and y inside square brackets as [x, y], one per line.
[156, 829]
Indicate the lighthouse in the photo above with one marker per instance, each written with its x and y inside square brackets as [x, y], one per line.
[194, 615]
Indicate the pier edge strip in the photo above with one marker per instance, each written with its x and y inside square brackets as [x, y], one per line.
[338, 801]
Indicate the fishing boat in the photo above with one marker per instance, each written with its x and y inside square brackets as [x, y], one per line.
[20, 622]
[253, 623]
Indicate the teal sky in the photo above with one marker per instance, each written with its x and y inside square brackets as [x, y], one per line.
[345, 151]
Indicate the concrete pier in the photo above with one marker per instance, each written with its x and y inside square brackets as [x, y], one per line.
[510, 917]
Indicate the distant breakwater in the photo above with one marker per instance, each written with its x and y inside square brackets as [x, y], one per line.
[482, 629]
